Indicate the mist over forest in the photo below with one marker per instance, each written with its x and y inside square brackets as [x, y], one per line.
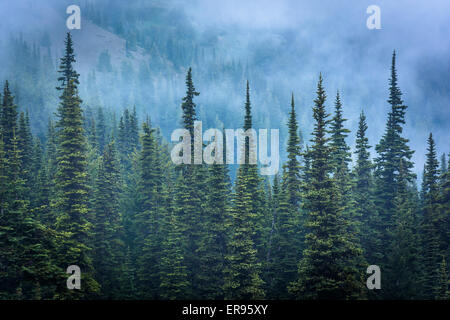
[103, 194]
[137, 53]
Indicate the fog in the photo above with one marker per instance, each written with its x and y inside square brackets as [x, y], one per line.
[282, 47]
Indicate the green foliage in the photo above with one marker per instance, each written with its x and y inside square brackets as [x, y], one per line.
[329, 267]
[392, 149]
[243, 271]
[432, 250]
[108, 251]
[141, 228]
[403, 271]
[287, 240]
[71, 205]
[363, 192]
[148, 237]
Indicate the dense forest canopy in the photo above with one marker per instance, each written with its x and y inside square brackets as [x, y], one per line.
[87, 178]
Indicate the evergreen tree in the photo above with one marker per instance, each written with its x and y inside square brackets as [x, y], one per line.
[191, 191]
[188, 106]
[174, 283]
[431, 221]
[25, 144]
[71, 205]
[26, 262]
[329, 267]
[443, 293]
[101, 130]
[212, 246]
[243, 272]
[108, 250]
[391, 149]
[133, 131]
[340, 149]
[148, 236]
[8, 119]
[364, 198]
[270, 262]
[444, 209]
[403, 266]
[287, 240]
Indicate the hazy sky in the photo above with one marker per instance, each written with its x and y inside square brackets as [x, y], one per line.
[303, 38]
[353, 58]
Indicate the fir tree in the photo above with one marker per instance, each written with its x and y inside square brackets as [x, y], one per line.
[25, 144]
[243, 272]
[364, 198]
[188, 106]
[287, 240]
[174, 284]
[148, 219]
[403, 265]
[26, 262]
[212, 246]
[191, 191]
[391, 149]
[101, 130]
[71, 205]
[340, 149]
[329, 268]
[108, 250]
[431, 221]
[8, 118]
[443, 293]
[444, 209]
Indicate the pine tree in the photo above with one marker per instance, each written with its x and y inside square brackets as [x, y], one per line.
[101, 130]
[341, 158]
[71, 205]
[133, 131]
[25, 246]
[174, 283]
[148, 219]
[443, 293]
[444, 209]
[108, 250]
[25, 144]
[403, 265]
[431, 221]
[212, 246]
[364, 198]
[8, 118]
[243, 272]
[270, 262]
[287, 240]
[391, 149]
[188, 106]
[329, 268]
[191, 191]
[340, 149]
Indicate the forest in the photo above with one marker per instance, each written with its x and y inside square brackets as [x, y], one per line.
[104, 195]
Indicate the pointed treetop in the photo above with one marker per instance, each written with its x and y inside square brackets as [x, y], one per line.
[394, 91]
[292, 102]
[66, 68]
[248, 109]
[7, 96]
[321, 95]
[188, 105]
